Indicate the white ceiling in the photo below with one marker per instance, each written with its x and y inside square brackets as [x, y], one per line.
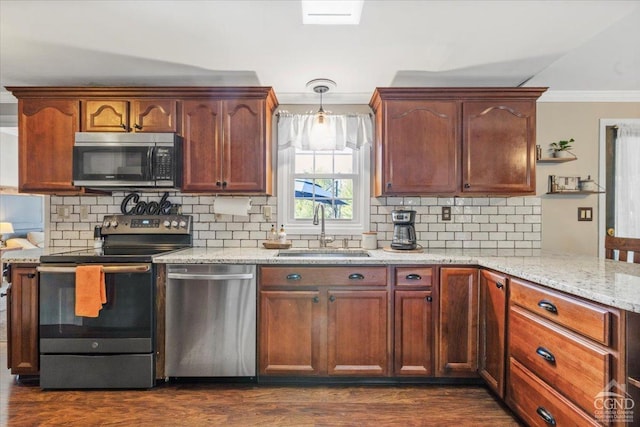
[565, 45]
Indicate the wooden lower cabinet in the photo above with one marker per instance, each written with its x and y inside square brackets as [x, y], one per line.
[559, 365]
[413, 333]
[310, 328]
[22, 321]
[458, 323]
[493, 313]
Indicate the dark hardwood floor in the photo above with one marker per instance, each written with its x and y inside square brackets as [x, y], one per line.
[206, 404]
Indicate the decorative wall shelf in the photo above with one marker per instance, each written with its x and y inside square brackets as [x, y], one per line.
[556, 159]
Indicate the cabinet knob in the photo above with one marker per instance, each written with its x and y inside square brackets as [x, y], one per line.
[388, 185]
[499, 285]
[294, 276]
[31, 275]
[137, 126]
[356, 276]
[123, 126]
[549, 306]
[428, 298]
[467, 185]
[224, 184]
[546, 416]
[316, 300]
[546, 355]
[218, 184]
[332, 298]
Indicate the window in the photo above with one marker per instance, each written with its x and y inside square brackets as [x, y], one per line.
[339, 179]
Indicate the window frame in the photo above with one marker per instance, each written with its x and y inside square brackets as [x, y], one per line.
[361, 196]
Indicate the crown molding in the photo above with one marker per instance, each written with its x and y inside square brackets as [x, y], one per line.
[590, 96]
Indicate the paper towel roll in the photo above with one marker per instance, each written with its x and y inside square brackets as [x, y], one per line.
[232, 206]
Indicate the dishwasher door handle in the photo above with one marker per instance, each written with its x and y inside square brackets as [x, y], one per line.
[195, 276]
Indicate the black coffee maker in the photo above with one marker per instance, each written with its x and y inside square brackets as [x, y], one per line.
[404, 233]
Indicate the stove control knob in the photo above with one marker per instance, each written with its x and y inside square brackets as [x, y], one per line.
[167, 223]
[174, 223]
[183, 224]
[114, 223]
[106, 223]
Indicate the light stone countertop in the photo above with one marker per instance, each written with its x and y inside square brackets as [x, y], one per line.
[608, 282]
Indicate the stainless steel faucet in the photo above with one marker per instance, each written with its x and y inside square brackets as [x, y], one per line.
[323, 238]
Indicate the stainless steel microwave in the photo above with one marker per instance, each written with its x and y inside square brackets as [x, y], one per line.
[112, 159]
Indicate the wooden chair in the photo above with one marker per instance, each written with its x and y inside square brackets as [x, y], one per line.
[624, 246]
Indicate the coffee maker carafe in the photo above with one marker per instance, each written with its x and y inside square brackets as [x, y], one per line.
[404, 233]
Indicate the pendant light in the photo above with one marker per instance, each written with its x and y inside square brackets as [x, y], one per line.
[322, 137]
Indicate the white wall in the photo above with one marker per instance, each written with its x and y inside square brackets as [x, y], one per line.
[8, 157]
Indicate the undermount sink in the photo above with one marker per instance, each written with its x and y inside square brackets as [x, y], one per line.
[324, 253]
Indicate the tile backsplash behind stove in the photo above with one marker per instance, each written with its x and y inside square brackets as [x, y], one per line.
[483, 222]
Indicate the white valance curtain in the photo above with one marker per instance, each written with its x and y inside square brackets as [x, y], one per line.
[627, 222]
[337, 132]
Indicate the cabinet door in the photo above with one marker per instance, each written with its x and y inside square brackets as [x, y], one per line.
[289, 333]
[105, 115]
[22, 332]
[202, 129]
[458, 322]
[413, 333]
[421, 151]
[154, 115]
[498, 147]
[244, 149]
[493, 302]
[47, 130]
[357, 333]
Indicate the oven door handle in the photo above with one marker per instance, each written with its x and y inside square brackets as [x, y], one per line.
[108, 269]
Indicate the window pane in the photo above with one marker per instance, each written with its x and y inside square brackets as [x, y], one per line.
[324, 163]
[304, 163]
[344, 163]
[343, 188]
[303, 209]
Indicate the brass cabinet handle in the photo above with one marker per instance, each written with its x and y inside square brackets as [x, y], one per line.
[549, 306]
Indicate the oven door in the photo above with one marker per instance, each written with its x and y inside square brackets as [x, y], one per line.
[124, 325]
[113, 164]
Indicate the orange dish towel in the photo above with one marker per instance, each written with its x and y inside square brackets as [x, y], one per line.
[90, 290]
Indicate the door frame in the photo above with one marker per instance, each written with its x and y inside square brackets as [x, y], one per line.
[602, 201]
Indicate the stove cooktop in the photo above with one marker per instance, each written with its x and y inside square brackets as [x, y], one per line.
[93, 256]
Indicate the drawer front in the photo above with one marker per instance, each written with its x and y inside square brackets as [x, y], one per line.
[576, 368]
[588, 319]
[538, 404]
[414, 276]
[323, 276]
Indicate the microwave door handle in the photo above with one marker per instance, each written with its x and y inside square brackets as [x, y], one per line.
[150, 158]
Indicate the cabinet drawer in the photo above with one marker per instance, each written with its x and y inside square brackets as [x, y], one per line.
[323, 276]
[414, 276]
[588, 319]
[538, 404]
[577, 368]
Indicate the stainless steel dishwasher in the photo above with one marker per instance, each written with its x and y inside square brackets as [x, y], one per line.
[211, 320]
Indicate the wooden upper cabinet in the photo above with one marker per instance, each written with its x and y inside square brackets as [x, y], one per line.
[227, 145]
[117, 115]
[420, 151]
[498, 147]
[46, 131]
[454, 141]
[202, 129]
[245, 156]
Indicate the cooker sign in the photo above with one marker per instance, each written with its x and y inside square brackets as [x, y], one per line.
[131, 205]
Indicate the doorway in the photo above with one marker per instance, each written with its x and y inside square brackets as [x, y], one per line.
[619, 206]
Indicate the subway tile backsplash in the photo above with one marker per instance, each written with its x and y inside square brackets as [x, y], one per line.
[488, 222]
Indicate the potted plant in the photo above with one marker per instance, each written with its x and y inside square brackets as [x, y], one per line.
[561, 148]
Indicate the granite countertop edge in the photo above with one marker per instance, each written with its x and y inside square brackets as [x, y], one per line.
[612, 283]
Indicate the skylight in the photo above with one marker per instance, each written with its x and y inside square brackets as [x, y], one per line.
[331, 12]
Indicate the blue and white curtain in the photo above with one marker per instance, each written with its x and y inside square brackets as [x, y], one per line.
[338, 131]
